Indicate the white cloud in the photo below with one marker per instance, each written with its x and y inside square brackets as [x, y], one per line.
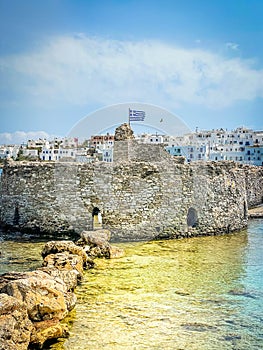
[20, 137]
[89, 71]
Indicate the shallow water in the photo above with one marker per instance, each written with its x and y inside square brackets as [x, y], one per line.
[200, 293]
[20, 255]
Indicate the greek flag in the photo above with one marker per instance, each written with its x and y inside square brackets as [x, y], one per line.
[136, 115]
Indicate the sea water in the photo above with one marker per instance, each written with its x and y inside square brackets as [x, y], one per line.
[190, 294]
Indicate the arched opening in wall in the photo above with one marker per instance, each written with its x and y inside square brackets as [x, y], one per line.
[245, 210]
[192, 218]
[96, 218]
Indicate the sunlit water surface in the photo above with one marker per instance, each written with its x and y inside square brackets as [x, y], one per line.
[191, 294]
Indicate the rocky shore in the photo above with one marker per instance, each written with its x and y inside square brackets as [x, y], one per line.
[32, 304]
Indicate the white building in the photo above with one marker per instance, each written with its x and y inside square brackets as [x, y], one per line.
[58, 154]
[150, 138]
[30, 153]
[7, 152]
[237, 145]
[37, 144]
[254, 154]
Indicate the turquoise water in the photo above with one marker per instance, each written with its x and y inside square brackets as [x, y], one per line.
[197, 294]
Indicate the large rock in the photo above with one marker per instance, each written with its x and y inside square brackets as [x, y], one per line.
[65, 261]
[15, 326]
[44, 297]
[92, 238]
[97, 245]
[47, 330]
[54, 247]
[69, 277]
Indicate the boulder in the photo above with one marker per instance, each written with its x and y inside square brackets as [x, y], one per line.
[69, 277]
[45, 298]
[47, 330]
[54, 247]
[15, 326]
[65, 261]
[96, 243]
[92, 238]
[100, 252]
[11, 276]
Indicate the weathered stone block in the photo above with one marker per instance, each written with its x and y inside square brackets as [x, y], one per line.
[15, 326]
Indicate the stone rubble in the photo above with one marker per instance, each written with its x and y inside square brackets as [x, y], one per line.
[32, 304]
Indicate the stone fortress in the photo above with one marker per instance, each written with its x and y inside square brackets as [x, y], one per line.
[144, 194]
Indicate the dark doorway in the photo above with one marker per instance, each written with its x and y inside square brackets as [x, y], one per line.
[192, 218]
[16, 216]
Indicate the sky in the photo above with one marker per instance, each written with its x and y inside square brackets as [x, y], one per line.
[61, 60]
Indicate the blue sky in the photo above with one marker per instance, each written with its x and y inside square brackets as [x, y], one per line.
[61, 60]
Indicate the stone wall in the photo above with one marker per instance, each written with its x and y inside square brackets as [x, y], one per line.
[130, 150]
[138, 199]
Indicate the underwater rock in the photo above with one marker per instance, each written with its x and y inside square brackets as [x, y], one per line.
[116, 252]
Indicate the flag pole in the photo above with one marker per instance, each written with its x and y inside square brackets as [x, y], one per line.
[129, 117]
